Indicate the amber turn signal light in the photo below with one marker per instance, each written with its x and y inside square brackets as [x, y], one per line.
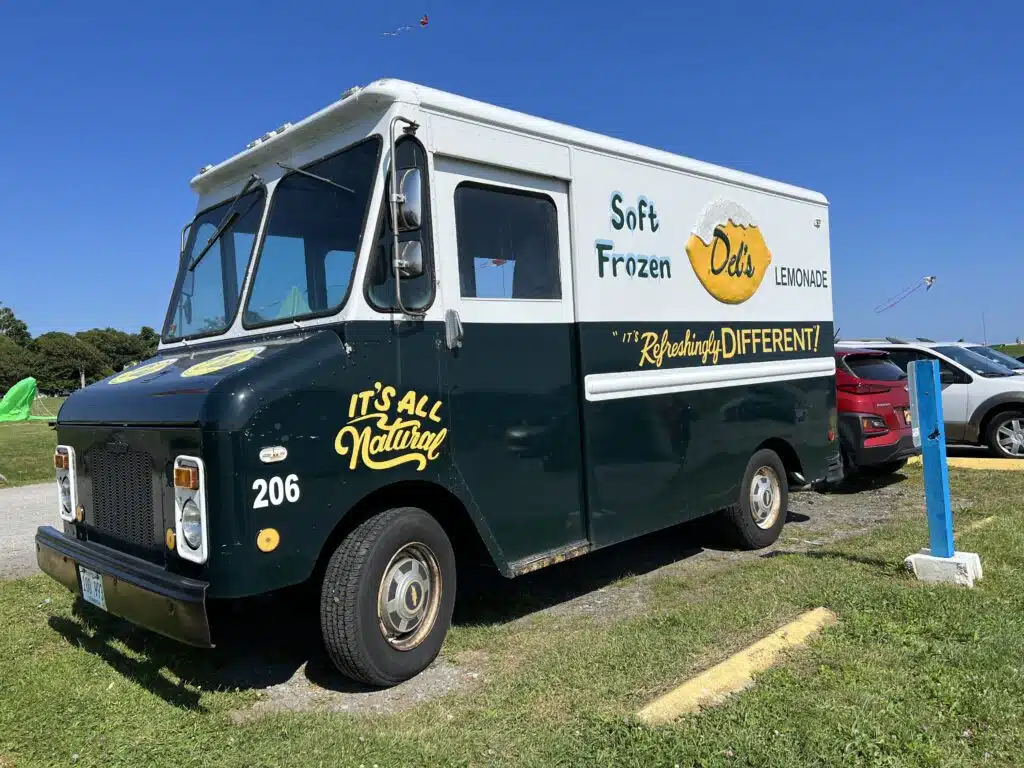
[186, 477]
[61, 460]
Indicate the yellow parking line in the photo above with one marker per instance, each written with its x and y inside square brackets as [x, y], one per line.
[956, 462]
[737, 672]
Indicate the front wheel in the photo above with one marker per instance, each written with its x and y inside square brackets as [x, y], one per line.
[387, 597]
[757, 519]
[1006, 435]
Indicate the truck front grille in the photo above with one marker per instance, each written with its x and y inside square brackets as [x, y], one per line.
[122, 495]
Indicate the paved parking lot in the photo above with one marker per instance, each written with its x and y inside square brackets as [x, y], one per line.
[22, 510]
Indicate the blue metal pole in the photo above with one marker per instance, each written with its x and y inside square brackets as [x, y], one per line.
[928, 390]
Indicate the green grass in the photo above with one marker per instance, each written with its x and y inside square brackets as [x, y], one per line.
[911, 674]
[26, 447]
[26, 453]
[1013, 350]
[47, 406]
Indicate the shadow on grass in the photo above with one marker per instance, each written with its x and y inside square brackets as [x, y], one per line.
[883, 565]
[865, 482]
[266, 641]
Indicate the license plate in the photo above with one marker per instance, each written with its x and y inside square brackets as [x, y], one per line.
[92, 587]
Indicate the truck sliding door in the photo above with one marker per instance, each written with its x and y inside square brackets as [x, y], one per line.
[514, 392]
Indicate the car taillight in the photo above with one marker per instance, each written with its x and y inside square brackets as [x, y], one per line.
[873, 425]
[860, 388]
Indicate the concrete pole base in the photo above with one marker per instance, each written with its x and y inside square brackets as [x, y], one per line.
[962, 569]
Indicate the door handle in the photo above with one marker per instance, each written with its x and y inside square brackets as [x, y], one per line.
[452, 329]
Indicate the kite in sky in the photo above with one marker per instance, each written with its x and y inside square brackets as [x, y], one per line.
[407, 27]
[925, 283]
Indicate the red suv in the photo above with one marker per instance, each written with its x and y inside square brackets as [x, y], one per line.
[875, 432]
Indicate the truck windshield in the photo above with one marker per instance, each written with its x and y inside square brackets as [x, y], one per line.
[205, 299]
[974, 363]
[312, 236]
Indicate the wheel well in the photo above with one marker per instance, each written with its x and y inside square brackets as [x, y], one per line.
[992, 413]
[440, 503]
[785, 451]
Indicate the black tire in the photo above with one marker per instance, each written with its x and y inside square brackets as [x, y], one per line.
[747, 533]
[885, 468]
[992, 433]
[349, 619]
[850, 470]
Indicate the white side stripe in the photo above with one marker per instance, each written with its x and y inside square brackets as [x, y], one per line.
[615, 386]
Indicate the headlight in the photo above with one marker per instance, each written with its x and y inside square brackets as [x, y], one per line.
[192, 539]
[67, 495]
[192, 524]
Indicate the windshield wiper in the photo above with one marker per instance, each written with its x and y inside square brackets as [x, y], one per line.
[318, 178]
[226, 222]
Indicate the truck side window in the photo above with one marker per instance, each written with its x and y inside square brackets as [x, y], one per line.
[508, 243]
[301, 270]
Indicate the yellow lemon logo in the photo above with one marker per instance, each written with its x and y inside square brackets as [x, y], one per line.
[143, 370]
[727, 252]
[220, 362]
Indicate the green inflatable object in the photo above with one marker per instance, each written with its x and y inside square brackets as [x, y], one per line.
[17, 403]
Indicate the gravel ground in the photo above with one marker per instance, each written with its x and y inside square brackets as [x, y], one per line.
[290, 669]
[22, 510]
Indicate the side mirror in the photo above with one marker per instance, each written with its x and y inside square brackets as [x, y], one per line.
[410, 209]
[184, 237]
[947, 377]
[410, 260]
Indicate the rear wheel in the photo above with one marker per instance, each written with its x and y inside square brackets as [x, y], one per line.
[387, 597]
[1005, 436]
[757, 519]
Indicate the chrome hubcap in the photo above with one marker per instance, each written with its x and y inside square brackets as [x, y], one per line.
[1010, 436]
[765, 497]
[409, 596]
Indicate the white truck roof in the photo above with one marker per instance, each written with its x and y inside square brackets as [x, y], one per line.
[380, 94]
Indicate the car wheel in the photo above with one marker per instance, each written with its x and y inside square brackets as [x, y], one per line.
[387, 597]
[1006, 435]
[849, 468]
[758, 516]
[885, 468]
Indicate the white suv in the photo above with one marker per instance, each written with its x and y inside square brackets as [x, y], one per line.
[982, 400]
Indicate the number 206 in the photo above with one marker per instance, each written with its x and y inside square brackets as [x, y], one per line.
[276, 491]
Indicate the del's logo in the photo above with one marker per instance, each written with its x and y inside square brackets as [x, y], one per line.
[728, 252]
[384, 431]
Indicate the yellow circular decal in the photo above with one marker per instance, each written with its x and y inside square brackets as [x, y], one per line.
[727, 252]
[143, 370]
[267, 540]
[220, 362]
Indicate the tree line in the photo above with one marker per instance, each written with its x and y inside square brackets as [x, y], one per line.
[62, 362]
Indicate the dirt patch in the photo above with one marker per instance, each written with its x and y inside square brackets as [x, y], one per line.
[314, 689]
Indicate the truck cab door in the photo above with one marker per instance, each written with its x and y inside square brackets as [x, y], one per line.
[511, 372]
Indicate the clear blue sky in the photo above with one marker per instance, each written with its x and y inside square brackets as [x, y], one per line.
[908, 116]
